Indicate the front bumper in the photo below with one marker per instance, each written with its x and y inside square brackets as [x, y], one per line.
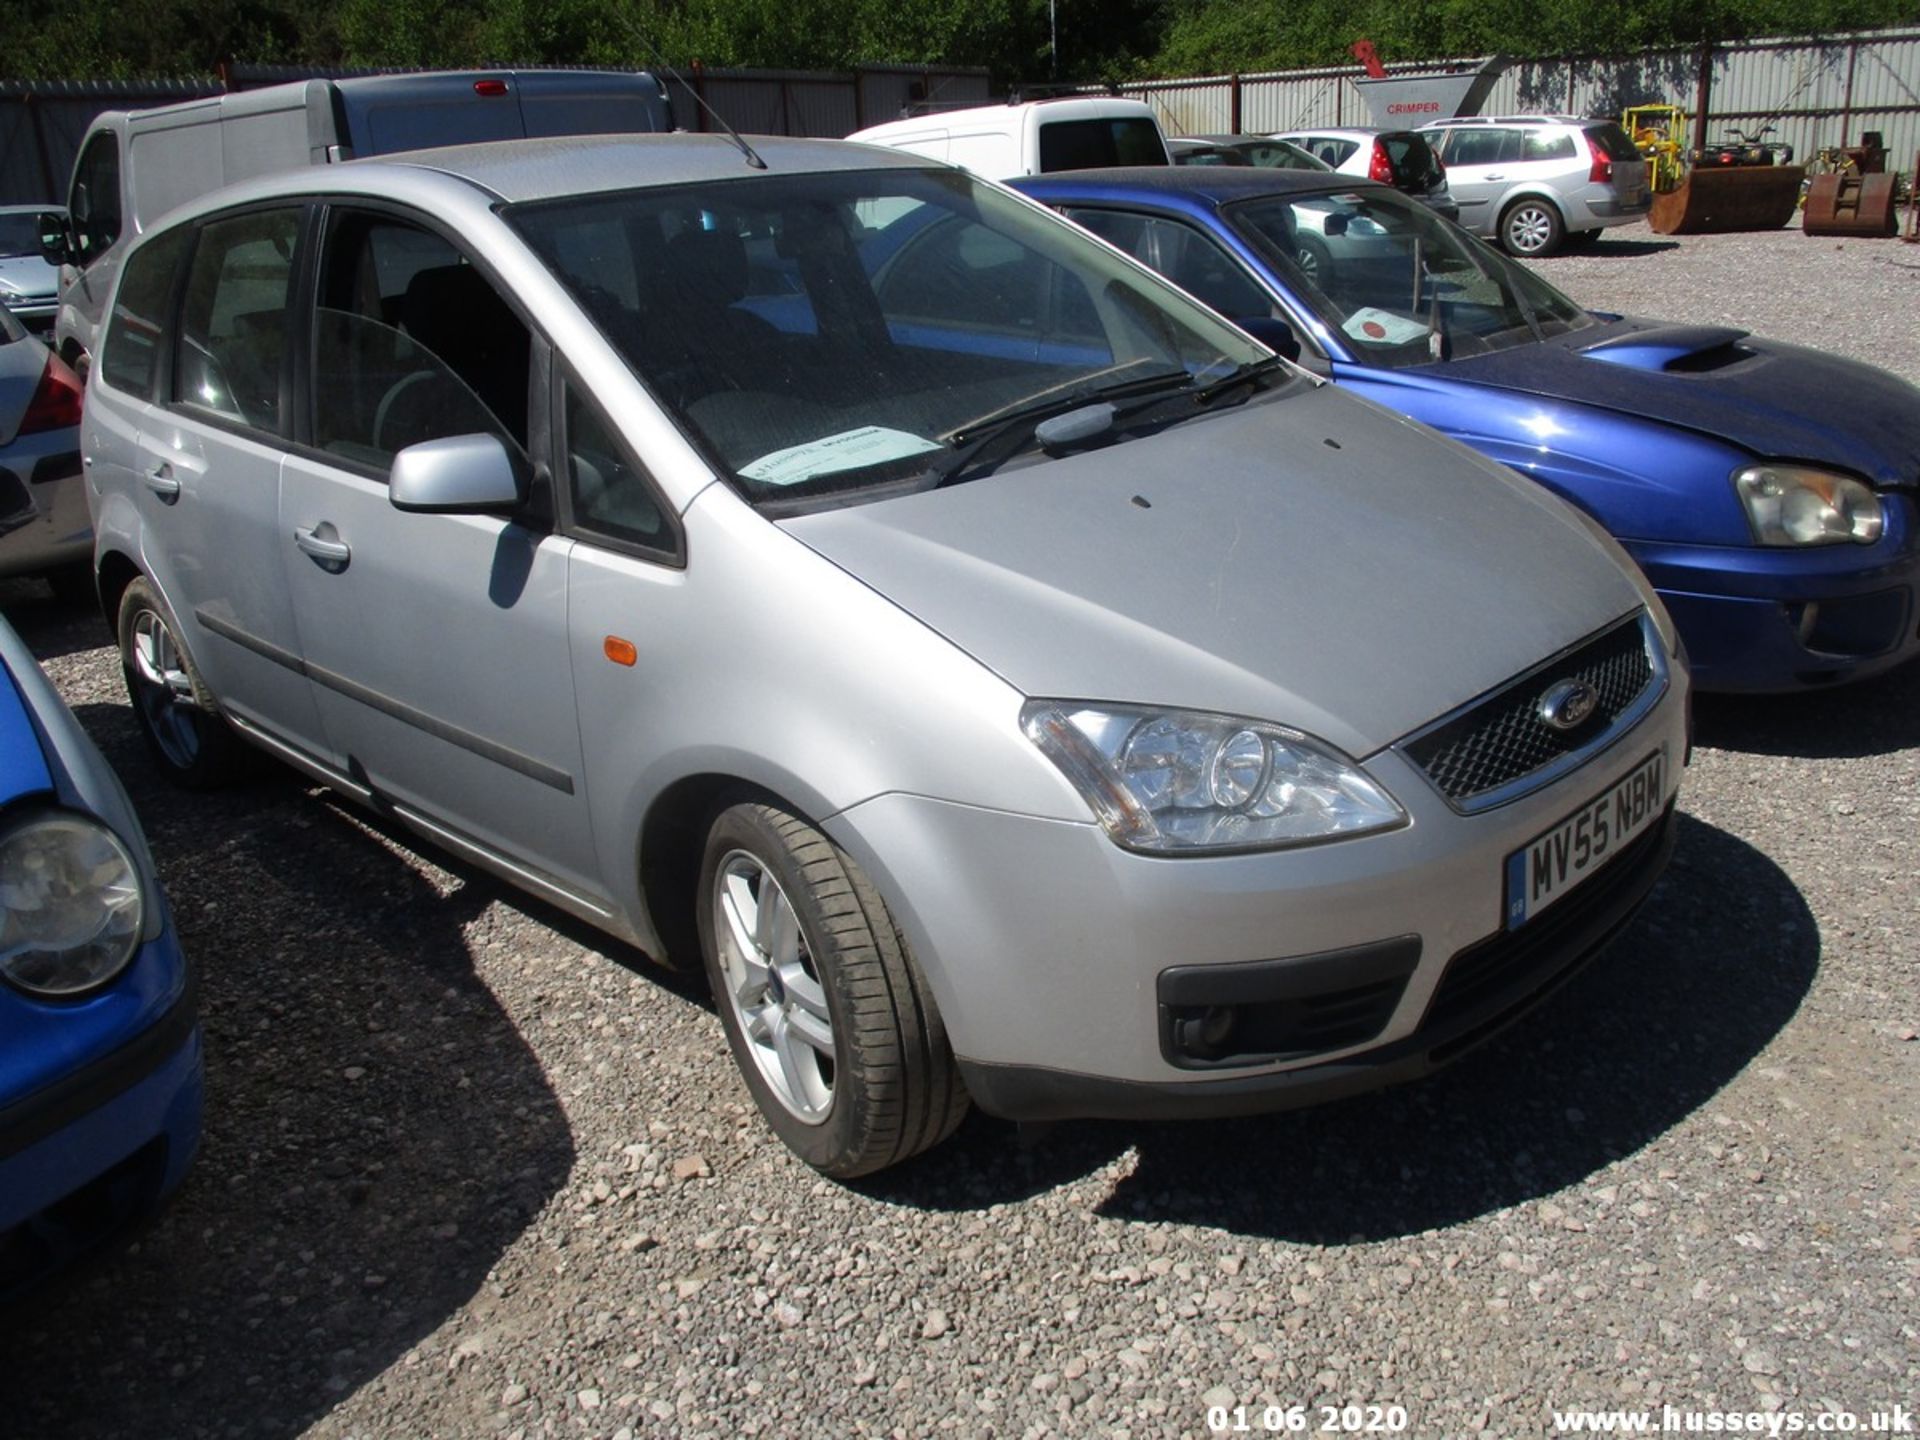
[82, 1156]
[1775, 620]
[1049, 948]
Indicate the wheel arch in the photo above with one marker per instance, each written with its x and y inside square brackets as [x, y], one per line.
[116, 571]
[671, 844]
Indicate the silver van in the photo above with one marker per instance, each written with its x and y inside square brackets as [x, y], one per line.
[135, 165]
[1010, 680]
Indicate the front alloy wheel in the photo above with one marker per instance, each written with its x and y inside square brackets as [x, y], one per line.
[773, 987]
[829, 1019]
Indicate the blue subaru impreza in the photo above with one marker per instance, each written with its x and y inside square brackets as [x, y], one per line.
[99, 1042]
[1767, 490]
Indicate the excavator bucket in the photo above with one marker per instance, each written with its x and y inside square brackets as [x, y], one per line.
[1851, 205]
[1738, 197]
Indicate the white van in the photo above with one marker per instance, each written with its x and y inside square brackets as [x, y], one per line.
[1031, 137]
[134, 166]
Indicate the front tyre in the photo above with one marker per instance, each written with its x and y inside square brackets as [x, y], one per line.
[177, 714]
[828, 1017]
[1531, 228]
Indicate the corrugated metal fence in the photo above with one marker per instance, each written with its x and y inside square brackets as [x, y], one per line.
[43, 122]
[1814, 93]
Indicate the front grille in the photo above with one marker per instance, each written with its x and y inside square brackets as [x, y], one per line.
[1484, 754]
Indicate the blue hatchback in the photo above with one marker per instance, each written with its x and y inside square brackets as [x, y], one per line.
[99, 1043]
[1767, 490]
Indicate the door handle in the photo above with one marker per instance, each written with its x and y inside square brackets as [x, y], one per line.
[162, 483]
[331, 554]
[1493, 177]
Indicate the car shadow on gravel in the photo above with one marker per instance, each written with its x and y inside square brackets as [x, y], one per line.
[1711, 971]
[1608, 249]
[377, 1134]
[52, 627]
[1874, 717]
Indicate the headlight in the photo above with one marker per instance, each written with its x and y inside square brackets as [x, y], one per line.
[1792, 505]
[73, 909]
[1171, 781]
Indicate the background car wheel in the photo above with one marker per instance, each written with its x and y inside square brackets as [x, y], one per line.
[176, 711]
[1315, 263]
[829, 1019]
[1531, 228]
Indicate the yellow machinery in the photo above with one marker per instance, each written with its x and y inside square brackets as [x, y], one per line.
[1735, 194]
[1660, 133]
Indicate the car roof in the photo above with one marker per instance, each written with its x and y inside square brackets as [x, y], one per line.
[1205, 184]
[1519, 120]
[540, 169]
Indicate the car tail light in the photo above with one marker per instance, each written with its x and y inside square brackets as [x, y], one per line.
[1602, 171]
[489, 87]
[1380, 167]
[56, 402]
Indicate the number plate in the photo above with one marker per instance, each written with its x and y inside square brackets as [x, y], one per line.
[1551, 866]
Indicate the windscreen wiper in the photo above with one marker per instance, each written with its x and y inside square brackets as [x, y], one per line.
[1015, 425]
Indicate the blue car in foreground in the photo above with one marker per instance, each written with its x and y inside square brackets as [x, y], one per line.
[99, 1042]
[1767, 490]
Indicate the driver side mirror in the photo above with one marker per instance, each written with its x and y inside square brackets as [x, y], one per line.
[55, 247]
[460, 474]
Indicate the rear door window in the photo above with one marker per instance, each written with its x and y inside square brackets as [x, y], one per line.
[231, 359]
[1477, 146]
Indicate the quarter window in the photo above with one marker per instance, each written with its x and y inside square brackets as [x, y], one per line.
[1548, 145]
[411, 343]
[129, 358]
[233, 324]
[611, 495]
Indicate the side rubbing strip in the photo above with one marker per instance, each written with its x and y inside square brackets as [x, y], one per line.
[246, 640]
[486, 749]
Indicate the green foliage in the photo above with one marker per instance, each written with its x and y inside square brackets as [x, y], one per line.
[1223, 36]
[118, 39]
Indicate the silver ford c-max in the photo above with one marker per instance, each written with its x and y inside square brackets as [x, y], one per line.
[1015, 681]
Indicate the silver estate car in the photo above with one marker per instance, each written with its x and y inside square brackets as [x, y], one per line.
[1016, 683]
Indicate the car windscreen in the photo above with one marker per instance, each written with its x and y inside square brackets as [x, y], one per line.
[1613, 141]
[19, 235]
[848, 335]
[1398, 284]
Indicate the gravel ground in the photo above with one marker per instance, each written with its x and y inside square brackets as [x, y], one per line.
[470, 1169]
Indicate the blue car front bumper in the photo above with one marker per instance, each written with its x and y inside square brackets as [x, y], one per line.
[82, 1156]
[1778, 620]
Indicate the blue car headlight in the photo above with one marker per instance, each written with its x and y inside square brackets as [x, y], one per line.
[71, 903]
[1796, 505]
[1173, 782]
